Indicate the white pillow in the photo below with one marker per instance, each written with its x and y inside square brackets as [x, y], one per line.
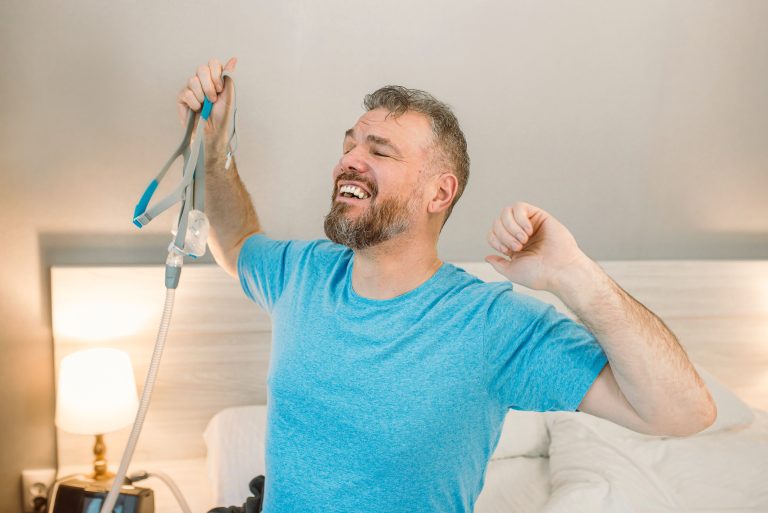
[599, 466]
[524, 434]
[235, 439]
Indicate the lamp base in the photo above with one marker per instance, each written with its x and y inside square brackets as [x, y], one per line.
[102, 478]
[83, 495]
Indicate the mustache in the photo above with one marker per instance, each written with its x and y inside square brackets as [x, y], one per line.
[356, 177]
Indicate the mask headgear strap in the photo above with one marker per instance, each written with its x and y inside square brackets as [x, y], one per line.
[191, 190]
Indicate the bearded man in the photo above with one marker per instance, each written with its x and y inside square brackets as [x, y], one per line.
[391, 371]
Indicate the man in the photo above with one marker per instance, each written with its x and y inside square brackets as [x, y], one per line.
[391, 372]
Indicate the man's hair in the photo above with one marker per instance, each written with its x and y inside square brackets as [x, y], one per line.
[451, 146]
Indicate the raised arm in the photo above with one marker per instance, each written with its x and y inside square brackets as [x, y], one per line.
[649, 385]
[227, 203]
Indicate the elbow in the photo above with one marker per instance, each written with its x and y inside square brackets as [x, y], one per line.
[707, 415]
[695, 422]
[710, 416]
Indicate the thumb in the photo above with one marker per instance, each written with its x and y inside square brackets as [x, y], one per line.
[231, 64]
[501, 264]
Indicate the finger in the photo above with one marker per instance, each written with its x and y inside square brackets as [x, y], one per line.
[513, 226]
[494, 242]
[231, 64]
[206, 80]
[181, 105]
[523, 213]
[191, 100]
[193, 84]
[505, 237]
[215, 67]
[182, 109]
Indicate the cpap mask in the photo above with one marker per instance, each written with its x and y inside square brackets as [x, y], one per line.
[191, 231]
[190, 238]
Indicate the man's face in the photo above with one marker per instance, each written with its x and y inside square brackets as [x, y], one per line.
[379, 180]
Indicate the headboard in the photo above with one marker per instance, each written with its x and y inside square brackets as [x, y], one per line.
[218, 345]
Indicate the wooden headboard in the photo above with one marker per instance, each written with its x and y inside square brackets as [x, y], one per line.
[218, 345]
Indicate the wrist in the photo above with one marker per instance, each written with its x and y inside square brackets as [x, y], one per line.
[215, 146]
[575, 281]
[215, 153]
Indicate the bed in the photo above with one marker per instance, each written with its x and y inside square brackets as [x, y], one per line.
[206, 423]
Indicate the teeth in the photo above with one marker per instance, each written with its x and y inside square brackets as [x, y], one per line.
[354, 190]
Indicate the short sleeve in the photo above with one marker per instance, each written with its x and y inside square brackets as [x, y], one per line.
[264, 266]
[537, 358]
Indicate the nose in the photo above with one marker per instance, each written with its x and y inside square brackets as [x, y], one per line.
[354, 160]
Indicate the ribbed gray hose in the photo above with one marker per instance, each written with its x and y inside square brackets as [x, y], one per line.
[174, 489]
[165, 321]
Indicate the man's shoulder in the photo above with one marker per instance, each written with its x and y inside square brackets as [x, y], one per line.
[468, 283]
[466, 288]
[497, 296]
[323, 249]
[295, 247]
[315, 257]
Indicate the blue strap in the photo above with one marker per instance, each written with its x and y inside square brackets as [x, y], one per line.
[206, 112]
[141, 206]
[193, 171]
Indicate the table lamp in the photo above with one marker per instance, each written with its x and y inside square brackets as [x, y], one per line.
[96, 394]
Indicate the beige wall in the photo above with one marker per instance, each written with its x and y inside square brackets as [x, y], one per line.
[642, 126]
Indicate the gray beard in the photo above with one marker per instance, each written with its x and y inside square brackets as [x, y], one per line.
[378, 223]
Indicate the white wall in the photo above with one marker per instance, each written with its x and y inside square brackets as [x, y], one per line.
[642, 126]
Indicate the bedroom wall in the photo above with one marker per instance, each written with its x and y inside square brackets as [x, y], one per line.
[641, 126]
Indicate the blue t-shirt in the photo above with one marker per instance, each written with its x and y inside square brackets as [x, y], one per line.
[397, 405]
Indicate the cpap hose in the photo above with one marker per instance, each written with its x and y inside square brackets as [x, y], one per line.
[190, 239]
[174, 489]
[172, 274]
[170, 483]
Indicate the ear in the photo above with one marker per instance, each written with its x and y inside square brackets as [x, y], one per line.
[444, 190]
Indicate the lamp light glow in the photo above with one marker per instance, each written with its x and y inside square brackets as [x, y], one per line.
[96, 392]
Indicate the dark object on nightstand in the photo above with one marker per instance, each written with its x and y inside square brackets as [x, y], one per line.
[252, 504]
[84, 496]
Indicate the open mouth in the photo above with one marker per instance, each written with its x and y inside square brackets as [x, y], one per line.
[353, 192]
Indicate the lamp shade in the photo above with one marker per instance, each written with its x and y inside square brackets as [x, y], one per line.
[96, 392]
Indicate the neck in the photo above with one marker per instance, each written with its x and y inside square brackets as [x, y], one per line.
[394, 267]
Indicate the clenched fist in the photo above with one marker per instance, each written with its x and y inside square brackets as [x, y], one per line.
[537, 247]
[208, 82]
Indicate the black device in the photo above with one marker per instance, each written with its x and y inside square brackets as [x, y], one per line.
[252, 504]
[78, 495]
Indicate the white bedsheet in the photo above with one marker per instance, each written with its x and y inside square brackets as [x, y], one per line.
[599, 467]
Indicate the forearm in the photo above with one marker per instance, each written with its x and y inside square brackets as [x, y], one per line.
[650, 367]
[229, 209]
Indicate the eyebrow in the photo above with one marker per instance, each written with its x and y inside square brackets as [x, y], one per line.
[375, 139]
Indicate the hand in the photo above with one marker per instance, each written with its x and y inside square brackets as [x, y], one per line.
[208, 82]
[538, 248]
